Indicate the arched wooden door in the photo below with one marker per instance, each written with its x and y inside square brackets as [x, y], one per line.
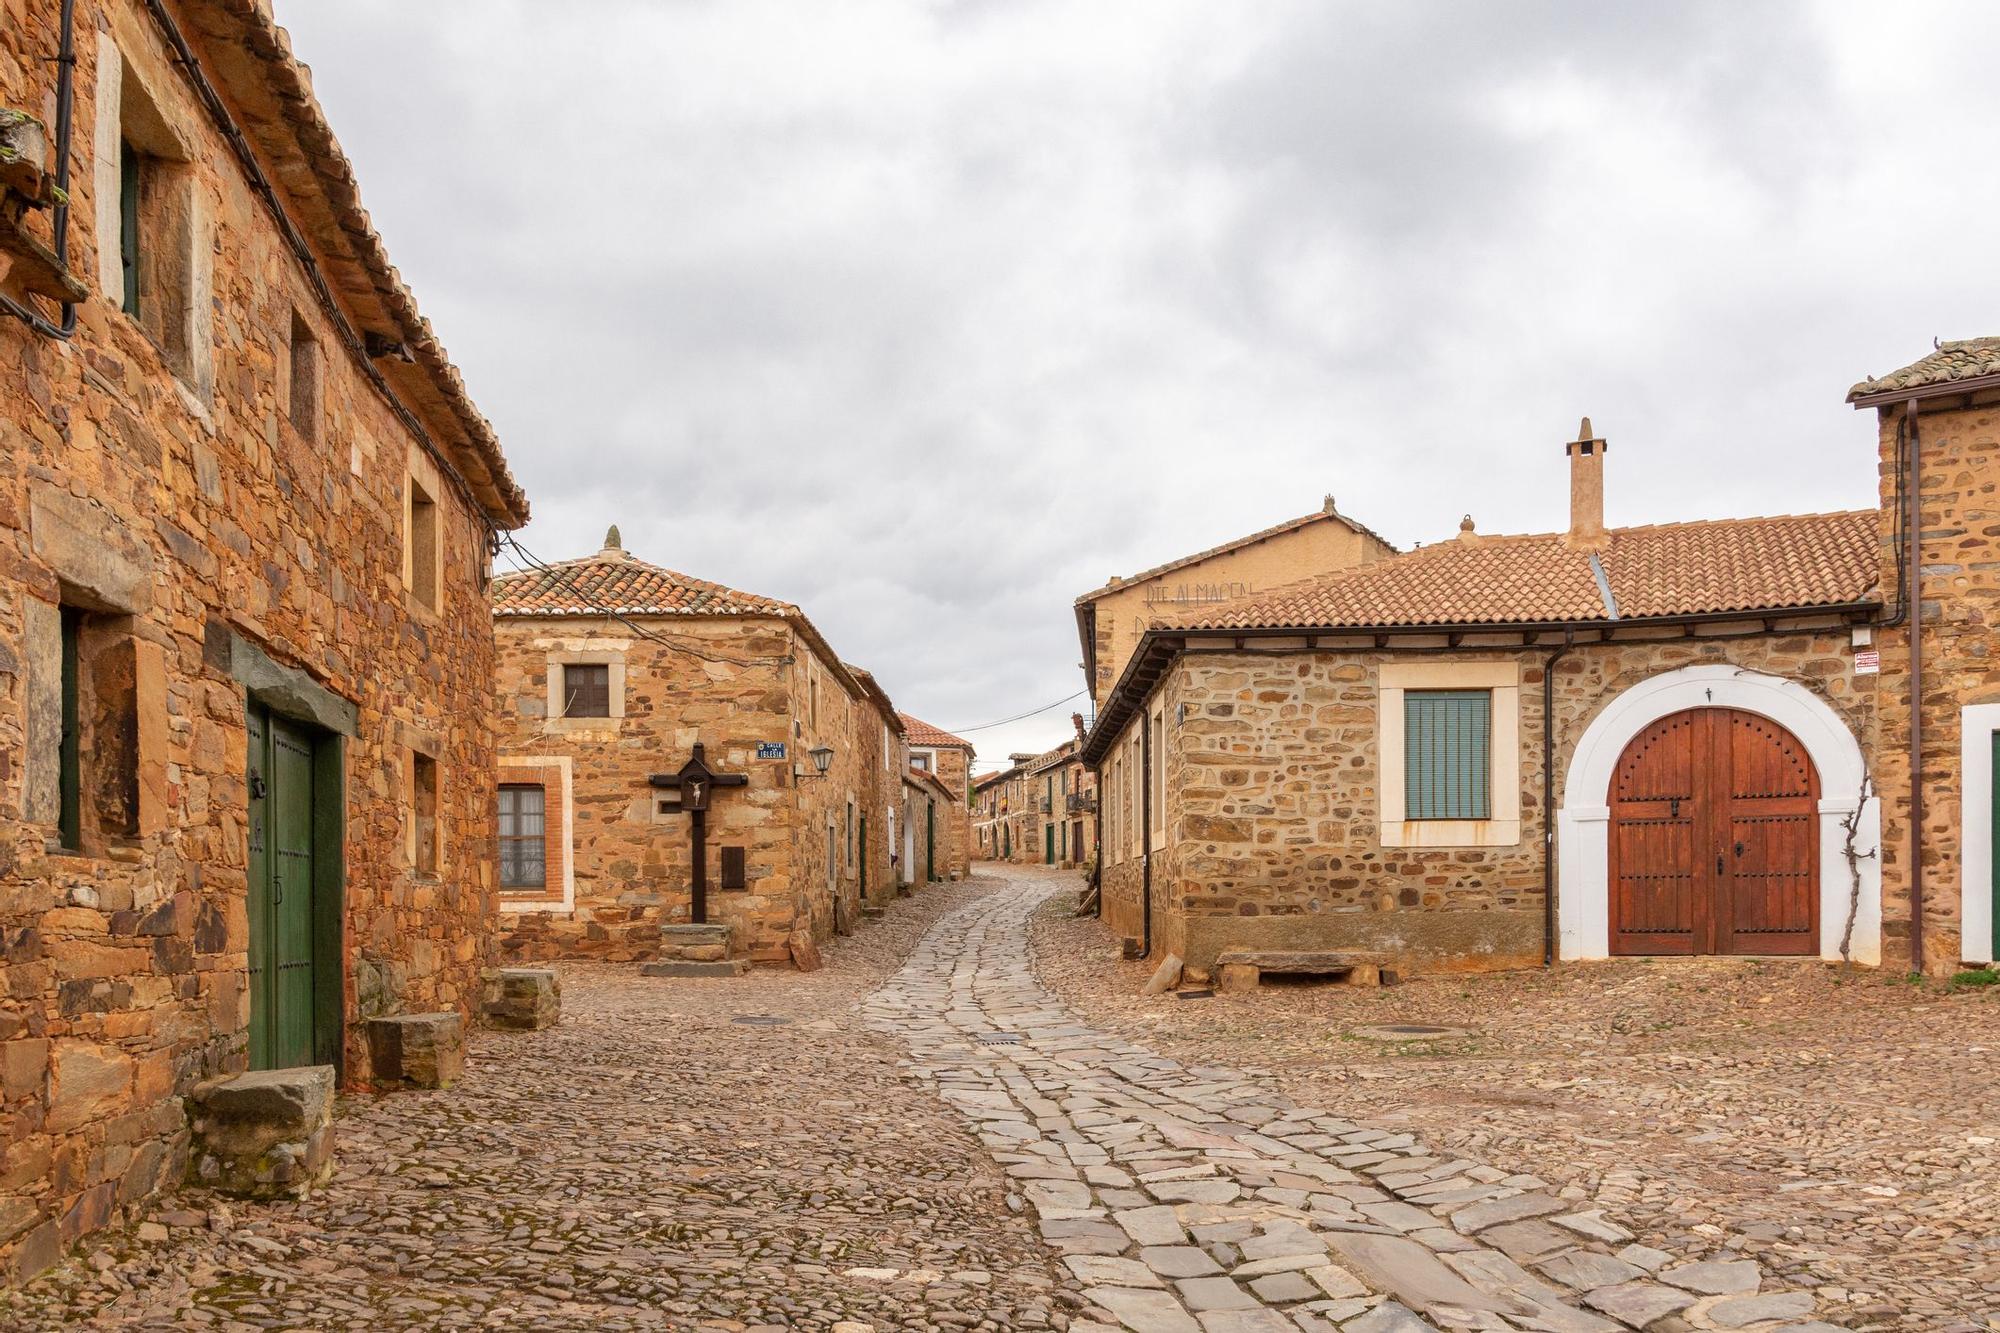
[1715, 838]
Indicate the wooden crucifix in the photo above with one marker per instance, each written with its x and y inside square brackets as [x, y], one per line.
[695, 782]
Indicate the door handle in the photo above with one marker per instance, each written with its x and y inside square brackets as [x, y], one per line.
[1718, 864]
[1739, 851]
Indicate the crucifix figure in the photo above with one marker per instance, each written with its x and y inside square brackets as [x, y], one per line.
[695, 782]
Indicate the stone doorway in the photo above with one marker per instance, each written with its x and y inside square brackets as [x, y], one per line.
[295, 892]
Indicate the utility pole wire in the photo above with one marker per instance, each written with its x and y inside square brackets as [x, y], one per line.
[988, 726]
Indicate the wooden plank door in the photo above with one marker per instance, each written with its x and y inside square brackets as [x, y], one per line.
[1767, 840]
[283, 960]
[1714, 839]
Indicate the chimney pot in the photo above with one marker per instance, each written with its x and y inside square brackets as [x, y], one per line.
[1586, 490]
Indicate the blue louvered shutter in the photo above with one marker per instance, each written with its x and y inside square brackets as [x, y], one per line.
[1447, 767]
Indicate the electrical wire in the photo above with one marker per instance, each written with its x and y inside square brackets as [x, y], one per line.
[1020, 717]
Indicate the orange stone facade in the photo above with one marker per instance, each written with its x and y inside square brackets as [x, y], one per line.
[211, 506]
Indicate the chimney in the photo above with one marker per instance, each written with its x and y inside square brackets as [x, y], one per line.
[614, 547]
[1586, 490]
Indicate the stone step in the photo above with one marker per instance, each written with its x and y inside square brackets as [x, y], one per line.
[706, 932]
[674, 967]
[874, 913]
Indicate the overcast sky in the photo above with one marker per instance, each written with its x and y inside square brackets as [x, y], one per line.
[931, 316]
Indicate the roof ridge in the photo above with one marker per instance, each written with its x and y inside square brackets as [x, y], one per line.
[1223, 548]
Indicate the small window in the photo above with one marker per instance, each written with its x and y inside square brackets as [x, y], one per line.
[424, 813]
[586, 689]
[130, 167]
[69, 820]
[921, 762]
[423, 538]
[302, 404]
[1447, 770]
[523, 841]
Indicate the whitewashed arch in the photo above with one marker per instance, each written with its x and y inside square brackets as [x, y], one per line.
[1583, 823]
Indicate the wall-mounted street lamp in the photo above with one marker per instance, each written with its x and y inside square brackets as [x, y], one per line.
[822, 757]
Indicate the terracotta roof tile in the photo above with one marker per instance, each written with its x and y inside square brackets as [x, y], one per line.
[1675, 569]
[614, 582]
[1969, 358]
[1263, 534]
[923, 734]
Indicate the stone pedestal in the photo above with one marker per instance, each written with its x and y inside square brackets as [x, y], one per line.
[416, 1050]
[267, 1135]
[1234, 978]
[695, 951]
[523, 999]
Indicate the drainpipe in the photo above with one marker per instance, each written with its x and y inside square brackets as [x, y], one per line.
[65, 63]
[1913, 599]
[1549, 798]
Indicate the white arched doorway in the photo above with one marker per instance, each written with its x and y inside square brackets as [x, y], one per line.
[1583, 822]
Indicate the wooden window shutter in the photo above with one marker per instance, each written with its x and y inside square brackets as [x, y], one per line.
[586, 690]
[735, 874]
[1447, 764]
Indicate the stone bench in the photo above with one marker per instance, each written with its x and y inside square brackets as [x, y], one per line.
[416, 1050]
[1242, 969]
[523, 999]
[266, 1135]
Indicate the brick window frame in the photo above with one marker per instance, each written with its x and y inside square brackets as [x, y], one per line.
[554, 775]
[1502, 827]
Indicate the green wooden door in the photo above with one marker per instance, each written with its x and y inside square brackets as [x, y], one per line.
[930, 842]
[1048, 844]
[283, 960]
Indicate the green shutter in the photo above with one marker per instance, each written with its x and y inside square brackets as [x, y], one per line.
[1447, 754]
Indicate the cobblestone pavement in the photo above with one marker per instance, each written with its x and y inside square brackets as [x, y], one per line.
[648, 1164]
[1841, 1131]
[1193, 1198]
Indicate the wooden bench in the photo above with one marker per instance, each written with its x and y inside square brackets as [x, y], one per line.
[1242, 969]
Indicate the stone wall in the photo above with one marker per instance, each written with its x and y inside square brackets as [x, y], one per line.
[1961, 590]
[723, 682]
[218, 536]
[954, 767]
[1273, 837]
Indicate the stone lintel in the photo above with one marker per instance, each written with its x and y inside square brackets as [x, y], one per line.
[287, 689]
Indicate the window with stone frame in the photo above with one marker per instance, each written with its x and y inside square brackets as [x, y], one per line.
[421, 535]
[93, 748]
[159, 258]
[1158, 823]
[921, 760]
[523, 838]
[302, 380]
[586, 689]
[426, 831]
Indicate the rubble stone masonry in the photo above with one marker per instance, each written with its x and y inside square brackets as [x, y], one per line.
[1272, 831]
[220, 501]
[1960, 526]
[729, 683]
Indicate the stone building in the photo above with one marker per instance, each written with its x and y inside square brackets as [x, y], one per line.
[1399, 762]
[245, 651]
[991, 840]
[1042, 810]
[930, 808]
[612, 672]
[1938, 423]
[938, 752]
[1111, 619]
[884, 759]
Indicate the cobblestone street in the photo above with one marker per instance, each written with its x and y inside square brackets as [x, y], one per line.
[1194, 1197]
[1839, 1130]
[944, 1146]
[651, 1163]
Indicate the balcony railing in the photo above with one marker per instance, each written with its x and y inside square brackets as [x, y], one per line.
[1081, 803]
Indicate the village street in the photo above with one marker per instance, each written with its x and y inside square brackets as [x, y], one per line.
[825, 1166]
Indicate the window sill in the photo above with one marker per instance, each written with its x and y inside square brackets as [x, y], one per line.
[516, 901]
[1451, 833]
[565, 725]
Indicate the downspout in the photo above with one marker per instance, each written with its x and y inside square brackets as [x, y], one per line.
[1549, 797]
[65, 62]
[1913, 602]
